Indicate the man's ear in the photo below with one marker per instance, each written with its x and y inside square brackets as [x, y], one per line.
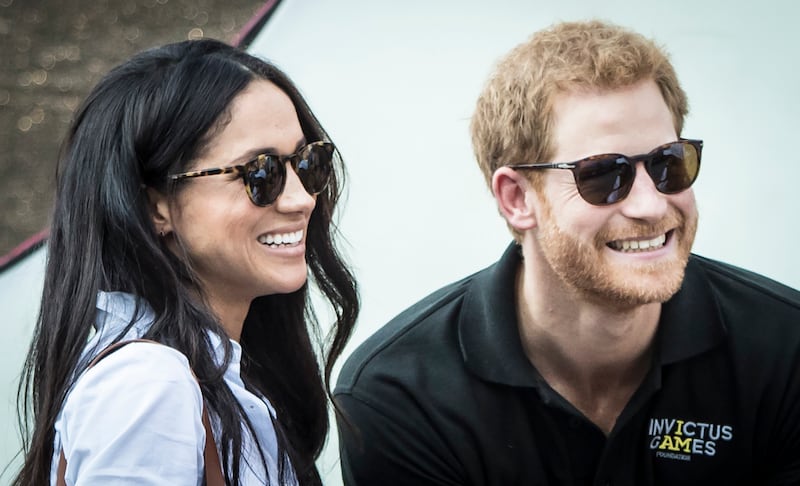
[159, 211]
[515, 200]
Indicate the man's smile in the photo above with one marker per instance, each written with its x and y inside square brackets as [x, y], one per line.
[641, 245]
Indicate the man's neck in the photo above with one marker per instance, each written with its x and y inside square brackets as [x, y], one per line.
[594, 355]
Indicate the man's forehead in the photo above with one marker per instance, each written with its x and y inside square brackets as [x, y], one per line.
[629, 120]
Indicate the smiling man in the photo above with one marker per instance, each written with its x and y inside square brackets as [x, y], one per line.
[598, 349]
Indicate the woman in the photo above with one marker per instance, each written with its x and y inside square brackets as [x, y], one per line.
[150, 240]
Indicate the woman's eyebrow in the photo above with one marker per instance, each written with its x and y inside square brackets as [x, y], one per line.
[252, 154]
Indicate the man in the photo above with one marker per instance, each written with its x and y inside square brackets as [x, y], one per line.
[597, 350]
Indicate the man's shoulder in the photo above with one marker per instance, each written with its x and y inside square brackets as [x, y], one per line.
[426, 328]
[760, 314]
[739, 287]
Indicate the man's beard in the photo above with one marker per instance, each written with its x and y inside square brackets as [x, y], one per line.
[584, 268]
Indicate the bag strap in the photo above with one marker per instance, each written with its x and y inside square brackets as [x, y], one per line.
[212, 466]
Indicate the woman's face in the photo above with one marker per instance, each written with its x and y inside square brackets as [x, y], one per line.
[225, 234]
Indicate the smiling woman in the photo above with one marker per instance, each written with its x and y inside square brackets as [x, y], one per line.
[211, 272]
[222, 230]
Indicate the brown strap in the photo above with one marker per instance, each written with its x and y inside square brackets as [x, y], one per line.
[62, 470]
[213, 468]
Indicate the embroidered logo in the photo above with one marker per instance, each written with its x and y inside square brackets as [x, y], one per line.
[678, 439]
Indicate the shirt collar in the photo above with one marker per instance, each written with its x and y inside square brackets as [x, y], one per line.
[487, 327]
[691, 323]
[115, 311]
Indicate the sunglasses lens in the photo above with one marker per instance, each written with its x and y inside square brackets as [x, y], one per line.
[604, 179]
[674, 168]
[265, 178]
[314, 166]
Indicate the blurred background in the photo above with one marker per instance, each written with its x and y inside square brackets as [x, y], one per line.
[51, 53]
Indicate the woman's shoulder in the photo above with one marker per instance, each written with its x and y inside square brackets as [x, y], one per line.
[139, 405]
[147, 369]
[139, 357]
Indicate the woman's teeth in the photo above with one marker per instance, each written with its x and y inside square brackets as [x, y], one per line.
[276, 239]
[639, 245]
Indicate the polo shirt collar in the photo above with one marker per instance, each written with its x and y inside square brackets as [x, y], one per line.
[691, 323]
[488, 331]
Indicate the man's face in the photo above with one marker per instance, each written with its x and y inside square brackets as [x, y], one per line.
[589, 247]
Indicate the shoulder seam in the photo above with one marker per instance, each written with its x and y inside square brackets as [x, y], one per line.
[459, 290]
[726, 270]
[125, 352]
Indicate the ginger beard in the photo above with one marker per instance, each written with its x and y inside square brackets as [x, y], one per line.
[588, 270]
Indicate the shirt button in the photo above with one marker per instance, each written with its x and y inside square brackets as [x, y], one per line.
[574, 422]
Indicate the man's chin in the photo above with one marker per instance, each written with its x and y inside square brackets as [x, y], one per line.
[631, 288]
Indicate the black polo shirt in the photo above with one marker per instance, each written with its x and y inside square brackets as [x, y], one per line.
[444, 394]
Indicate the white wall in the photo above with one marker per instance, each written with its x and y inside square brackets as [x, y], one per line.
[395, 84]
[20, 293]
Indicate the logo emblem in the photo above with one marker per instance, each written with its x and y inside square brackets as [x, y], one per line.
[679, 439]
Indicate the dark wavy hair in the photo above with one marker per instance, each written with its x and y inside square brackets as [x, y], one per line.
[148, 118]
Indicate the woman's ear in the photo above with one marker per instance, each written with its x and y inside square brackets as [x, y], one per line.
[159, 211]
[515, 199]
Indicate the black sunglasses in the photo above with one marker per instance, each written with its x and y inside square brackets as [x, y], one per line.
[265, 176]
[608, 178]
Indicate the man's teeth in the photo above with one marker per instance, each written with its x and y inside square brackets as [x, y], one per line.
[275, 239]
[639, 245]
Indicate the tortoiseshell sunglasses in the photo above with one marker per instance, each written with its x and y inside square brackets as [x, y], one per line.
[607, 178]
[265, 176]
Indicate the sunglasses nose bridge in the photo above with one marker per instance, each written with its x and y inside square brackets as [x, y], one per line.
[605, 180]
[266, 177]
[644, 198]
[294, 195]
[657, 167]
[650, 169]
[297, 164]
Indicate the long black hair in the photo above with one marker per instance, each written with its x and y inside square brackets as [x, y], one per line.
[148, 118]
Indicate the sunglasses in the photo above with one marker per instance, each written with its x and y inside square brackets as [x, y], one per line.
[265, 176]
[608, 178]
